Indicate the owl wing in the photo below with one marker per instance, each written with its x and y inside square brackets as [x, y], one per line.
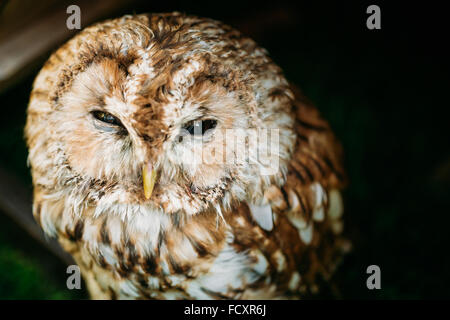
[315, 174]
[310, 200]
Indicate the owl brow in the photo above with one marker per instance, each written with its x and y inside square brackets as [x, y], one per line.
[204, 110]
[100, 102]
[86, 58]
[199, 118]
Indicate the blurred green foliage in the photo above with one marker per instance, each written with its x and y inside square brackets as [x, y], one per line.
[23, 277]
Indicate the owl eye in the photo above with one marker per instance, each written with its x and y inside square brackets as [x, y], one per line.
[107, 118]
[197, 128]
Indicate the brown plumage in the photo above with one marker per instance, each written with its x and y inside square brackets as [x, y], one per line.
[126, 94]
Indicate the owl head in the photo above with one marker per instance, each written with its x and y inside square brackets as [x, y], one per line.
[164, 111]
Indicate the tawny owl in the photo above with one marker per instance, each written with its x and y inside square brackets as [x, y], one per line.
[173, 160]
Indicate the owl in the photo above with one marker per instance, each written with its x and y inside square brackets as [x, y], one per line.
[173, 160]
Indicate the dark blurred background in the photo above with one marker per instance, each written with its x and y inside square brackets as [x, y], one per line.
[385, 93]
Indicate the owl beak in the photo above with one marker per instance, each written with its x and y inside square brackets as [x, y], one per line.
[149, 179]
